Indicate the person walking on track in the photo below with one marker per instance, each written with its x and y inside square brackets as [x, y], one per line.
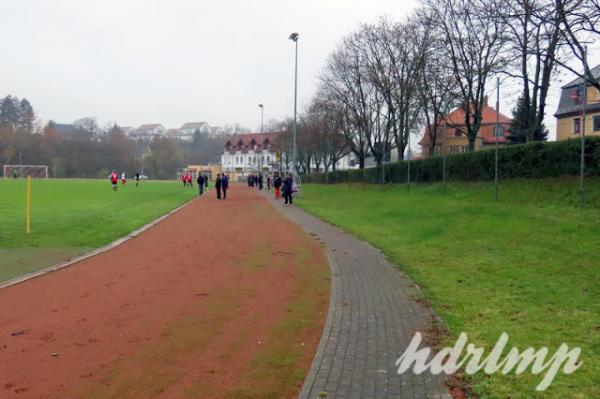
[218, 183]
[224, 185]
[277, 185]
[200, 182]
[287, 189]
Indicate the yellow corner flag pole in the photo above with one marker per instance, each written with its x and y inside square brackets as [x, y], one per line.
[28, 226]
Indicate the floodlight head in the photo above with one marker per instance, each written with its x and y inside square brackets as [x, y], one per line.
[260, 105]
[294, 37]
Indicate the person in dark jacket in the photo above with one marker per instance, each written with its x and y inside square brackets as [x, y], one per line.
[218, 183]
[269, 183]
[260, 181]
[224, 185]
[200, 181]
[288, 186]
[277, 185]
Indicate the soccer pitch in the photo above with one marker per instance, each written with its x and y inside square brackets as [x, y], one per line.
[71, 217]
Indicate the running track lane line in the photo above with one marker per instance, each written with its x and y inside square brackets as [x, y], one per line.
[61, 265]
[372, 318]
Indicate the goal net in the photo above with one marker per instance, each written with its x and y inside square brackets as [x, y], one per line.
[17, 171]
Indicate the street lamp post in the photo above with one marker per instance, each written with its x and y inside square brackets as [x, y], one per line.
[582, 134]
[294, 37]
[262, 109]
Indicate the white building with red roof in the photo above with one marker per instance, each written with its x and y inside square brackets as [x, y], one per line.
[249, 153]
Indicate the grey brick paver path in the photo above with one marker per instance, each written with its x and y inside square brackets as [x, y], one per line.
[372, 318]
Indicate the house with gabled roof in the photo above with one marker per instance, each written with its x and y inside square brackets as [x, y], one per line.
[451, 132]
[569, 115]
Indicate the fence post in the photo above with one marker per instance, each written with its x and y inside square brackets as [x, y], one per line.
[28, 211]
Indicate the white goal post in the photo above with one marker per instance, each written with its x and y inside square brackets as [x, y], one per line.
[35, 171]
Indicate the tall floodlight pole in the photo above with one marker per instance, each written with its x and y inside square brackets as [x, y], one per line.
[262, 109]
[497, 133]
[294, 37]
[582, 133]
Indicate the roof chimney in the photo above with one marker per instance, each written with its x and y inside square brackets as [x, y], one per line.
[485, 100]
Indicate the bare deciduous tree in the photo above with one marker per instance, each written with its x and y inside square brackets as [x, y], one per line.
[474, 39]
[579, 23]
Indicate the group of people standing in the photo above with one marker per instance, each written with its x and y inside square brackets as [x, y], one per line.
[222, 185]
[257, 180]
[187, 179]
[286, 185]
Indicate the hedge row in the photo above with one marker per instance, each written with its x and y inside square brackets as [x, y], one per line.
[533, 160]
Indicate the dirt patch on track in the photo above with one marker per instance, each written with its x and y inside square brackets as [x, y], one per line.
[222, 299]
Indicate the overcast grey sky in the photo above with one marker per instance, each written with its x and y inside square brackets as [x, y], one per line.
[176, 61]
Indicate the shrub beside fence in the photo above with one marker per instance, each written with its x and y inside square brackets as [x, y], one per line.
[533, 160]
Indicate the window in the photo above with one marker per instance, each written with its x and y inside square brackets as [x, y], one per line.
[576, 96]
[596, 123]
[576, 125]
[457, 133]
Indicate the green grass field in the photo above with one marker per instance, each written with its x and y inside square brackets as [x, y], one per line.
[528, 265]
[70, 217]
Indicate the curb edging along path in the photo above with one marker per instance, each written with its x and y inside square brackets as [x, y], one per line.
[61, 265]
[372, 318]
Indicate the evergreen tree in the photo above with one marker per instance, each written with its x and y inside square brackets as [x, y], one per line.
[27, 116]
[10, 110]
[197, 140]
[523, 127]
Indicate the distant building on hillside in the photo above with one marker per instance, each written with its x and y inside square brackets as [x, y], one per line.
[451, 133]
[177, 134]
[126, 130]
[63, 129]
[149, 131]
[570, 108]
[216, 130]
[191, 127]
